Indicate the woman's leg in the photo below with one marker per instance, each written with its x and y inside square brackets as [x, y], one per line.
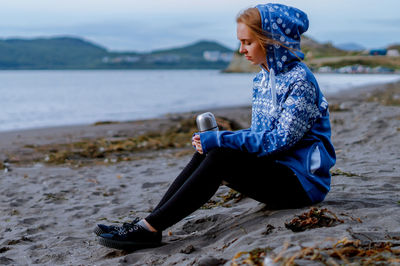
[260, 178]
[178, 182]
[182, 177]
[197, 190]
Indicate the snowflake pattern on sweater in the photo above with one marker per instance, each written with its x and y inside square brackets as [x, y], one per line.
[296, 111]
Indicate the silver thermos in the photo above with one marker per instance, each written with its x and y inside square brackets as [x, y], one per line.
[206, 122]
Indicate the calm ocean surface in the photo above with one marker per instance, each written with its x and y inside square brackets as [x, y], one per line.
[32, 99]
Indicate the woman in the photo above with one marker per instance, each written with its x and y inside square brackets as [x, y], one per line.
[282, 160]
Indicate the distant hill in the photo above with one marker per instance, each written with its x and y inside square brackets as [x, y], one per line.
[313, 49]
[350, 46]
[195, 49]
[76, 53]
[57, 53]
[199, 55]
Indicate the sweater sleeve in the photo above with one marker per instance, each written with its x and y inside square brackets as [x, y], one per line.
[299, 112]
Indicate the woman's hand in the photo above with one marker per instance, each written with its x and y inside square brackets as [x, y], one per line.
[196, 142]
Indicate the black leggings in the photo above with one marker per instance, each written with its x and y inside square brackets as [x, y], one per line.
[260, 178]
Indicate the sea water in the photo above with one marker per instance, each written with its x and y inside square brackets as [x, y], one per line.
[33, 99]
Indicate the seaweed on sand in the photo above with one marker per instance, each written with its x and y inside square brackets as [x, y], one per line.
[339, 171]
[253, 257]
[347, 251]
[85, 151]
[342, 252]
[232, 196]
[314, 218]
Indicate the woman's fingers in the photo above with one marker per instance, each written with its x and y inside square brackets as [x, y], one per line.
[199, 149]
[196, 139]
[197, 143]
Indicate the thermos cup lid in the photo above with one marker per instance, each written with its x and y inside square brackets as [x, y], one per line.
[206, 121]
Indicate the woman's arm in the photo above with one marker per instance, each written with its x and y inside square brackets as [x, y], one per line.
[196, 142]
[300, 111]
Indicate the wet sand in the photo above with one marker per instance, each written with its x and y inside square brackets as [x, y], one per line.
[49, 208]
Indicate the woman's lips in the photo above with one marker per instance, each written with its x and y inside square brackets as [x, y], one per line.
[248, 57]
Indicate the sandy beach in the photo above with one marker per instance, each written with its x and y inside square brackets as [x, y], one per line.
[58, 183]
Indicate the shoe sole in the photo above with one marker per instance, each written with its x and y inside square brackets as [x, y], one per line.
[126, 245]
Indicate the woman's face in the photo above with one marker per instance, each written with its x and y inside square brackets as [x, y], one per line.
[249, 45]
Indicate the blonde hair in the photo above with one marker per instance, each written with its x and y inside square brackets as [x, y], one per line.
[252, 19]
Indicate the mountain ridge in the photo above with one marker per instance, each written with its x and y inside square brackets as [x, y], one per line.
[66, 52]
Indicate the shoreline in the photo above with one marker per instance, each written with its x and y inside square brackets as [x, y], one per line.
[50, 209]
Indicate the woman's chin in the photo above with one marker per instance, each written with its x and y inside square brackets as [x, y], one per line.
[252, 61]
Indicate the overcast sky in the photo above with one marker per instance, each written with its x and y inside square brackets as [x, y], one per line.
[132, 25]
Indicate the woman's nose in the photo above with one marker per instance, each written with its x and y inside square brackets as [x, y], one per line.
[241, 49]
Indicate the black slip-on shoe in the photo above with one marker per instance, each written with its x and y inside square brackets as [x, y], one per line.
[130, 238]
[105, 229]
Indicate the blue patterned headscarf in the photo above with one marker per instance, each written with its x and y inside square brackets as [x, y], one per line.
[284, 24]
